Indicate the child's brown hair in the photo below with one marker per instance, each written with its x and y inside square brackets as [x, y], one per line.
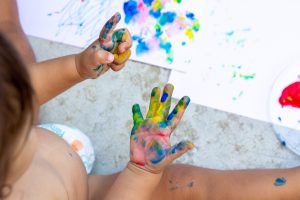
[16, 106]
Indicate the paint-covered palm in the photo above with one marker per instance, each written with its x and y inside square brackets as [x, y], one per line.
[150, 146]
[94, 60]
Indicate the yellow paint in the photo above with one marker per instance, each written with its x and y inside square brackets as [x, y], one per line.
[189, 33]
[156, 5]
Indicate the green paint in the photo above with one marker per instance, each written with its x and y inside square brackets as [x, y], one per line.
[247, 76]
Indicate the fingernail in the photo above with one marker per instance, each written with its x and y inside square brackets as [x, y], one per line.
[110, 57]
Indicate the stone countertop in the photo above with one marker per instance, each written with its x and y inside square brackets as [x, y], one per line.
[102, 109]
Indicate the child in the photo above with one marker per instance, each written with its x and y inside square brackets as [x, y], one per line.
[37, 165]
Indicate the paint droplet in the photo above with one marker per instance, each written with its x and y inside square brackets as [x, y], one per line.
[164, 97]
[183, 43]
[190, 184]
[280, 181]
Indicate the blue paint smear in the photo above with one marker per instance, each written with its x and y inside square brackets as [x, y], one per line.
[230, 33]
[130, 9]
[148, 2]
[167, 17]
[180, 146]
[155, 14]
[280, 181]
[164, 97]
[183, 43]
[141, 48]
[190, 15]
[161, 154]
[170, 117]
[166, 46]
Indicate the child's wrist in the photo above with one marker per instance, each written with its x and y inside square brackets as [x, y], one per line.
[138, 170]
[78, 67]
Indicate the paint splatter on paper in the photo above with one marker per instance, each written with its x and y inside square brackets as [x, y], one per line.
[159, 21]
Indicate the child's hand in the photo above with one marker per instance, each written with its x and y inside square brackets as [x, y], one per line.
[150, 147]
[111, 50]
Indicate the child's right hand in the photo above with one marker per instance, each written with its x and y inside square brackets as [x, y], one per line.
[150, 147]
[110, 50]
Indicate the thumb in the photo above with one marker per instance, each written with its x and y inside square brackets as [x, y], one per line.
[179, 149]
[102, 57]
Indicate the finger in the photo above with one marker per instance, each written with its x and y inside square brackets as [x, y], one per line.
[106, 33]
[137, 115]
[154, 102]
[165, 102]
[177, 113]
[179, 149]
[122, 57]
[126, 42]
[116, 67]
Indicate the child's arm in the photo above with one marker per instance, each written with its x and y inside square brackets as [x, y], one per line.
[111, 50]
[150, 148]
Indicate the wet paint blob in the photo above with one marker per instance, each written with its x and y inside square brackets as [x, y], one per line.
[290, 96]
[280, 181]
[130, 9]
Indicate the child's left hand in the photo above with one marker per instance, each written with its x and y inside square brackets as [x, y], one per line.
[111, 50]
[150, 146]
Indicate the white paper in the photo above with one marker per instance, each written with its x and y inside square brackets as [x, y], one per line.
[78, 23]
[244, 46]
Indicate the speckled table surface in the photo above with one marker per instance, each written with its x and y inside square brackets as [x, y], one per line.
[102, 109]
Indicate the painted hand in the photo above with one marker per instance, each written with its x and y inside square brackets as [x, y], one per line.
[111, 50]
[150, 147]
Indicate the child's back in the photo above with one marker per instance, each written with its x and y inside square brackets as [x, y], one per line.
[56, 171]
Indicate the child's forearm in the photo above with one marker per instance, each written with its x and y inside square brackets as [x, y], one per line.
[133, 184]
[52, 77]
[269, 184]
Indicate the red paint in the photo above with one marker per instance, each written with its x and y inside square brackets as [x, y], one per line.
[290, 96]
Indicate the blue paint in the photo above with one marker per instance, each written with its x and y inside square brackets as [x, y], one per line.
[130, 9]
[162, 124]
[183, 43]
[178, 147]
[280, 181]
[283, 143]
[156, 14]
[230, 33]
[160, 153]
[190, 15]
[148, 2]
[170, 116]
[166, 46]
[164, 97]
[279, 119]
[141, 48]
[167, 17]
[109, 25]
[175, 111]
